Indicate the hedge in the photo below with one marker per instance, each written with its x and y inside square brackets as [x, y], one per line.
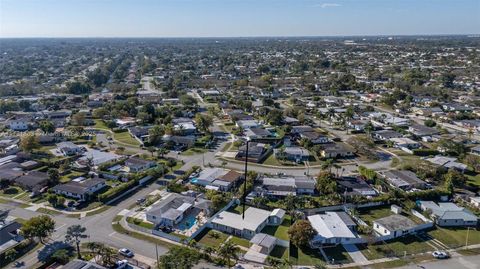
[425, 152]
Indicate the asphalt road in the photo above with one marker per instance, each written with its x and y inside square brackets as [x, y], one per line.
[99, 228]
[462, 262]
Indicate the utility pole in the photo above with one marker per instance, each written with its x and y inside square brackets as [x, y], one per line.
[466, 239]
[245, 183]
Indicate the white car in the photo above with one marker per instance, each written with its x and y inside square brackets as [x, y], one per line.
[121, 264]
[126, 252]
[440, 255]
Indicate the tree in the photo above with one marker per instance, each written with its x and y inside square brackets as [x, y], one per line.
[47, 126]
[75, 234]
[162, 151]
[275, 117]
[40, 227]
[456, 178]
[430, 123]
[155, 134]
[11, 254]
[151, 150]
[228, 251]
[179, 257]
[78, 88]
[61, 256]
[447, 80]
[78, 119]
[203, 122]
[473, 161]
[300, 233]
[28, 143]
[326, 184]
[52, 199]
[53, 177]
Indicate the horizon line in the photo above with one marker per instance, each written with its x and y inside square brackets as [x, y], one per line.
[239, 37]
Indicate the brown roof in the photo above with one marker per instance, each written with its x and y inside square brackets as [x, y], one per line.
[231, 176]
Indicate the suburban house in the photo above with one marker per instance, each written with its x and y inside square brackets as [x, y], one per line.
[315, 137]
[403, 179]
[184, 126]
[257, 133]
[140, 133]
[448, 162]
[248, 124]
[80, 264]
[9, 232]
[135, 164]
[352, 186]
[172, 209]
[217, 179]
[254, 222]
[20, 122]
[68, 148]
[283, 186]
[332, 228]
[96, 157]
[80, 188]
[449, 214]
[396, 225]
[294, 154]
[32, 181]
[385, 135]
[180, 141]
[262, 245]
[256, 152]
[405, 143]
[335, 150]
[422, 130]
[357, 125]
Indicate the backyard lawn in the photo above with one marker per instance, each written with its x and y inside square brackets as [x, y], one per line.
[211, 238]
[237, 209]
[455, 237]
[281, 231]
[240, 241]
[373, 214]
[473, 179]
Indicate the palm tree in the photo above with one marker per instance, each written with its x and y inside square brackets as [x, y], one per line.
[328, 165]
[74, 235]
[228, 250]
[95, 248]
[151, 150]
[162, 151]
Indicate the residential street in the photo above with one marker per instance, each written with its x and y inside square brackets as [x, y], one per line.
[462, 262]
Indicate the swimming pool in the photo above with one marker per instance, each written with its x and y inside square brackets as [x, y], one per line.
[194, 180]
[187, 223]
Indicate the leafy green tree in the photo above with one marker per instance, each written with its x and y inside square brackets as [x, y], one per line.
[53, 177]
[28, 143]
[61, 256]
[75, 234]
[228, 251]
[326, 183]
[179, 257]
[300, 233]
[47, 126]
[11, 254]
[40, 227]
[203, 122]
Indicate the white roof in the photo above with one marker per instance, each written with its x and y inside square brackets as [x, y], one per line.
[253, 218]
[330, 225]
[184, 207]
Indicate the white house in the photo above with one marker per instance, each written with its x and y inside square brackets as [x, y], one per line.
[394, 226]
[80, 188]
[332, 228]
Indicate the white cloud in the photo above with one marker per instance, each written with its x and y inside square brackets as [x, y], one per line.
[328, 5]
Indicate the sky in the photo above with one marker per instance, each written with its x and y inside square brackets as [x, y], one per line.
[236, 18]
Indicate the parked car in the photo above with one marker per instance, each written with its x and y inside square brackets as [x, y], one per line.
[440, 255]
[121, 264]
[126, 252]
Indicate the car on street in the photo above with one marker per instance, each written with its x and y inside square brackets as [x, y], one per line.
[440, 255]
[121, 264]
[126, 252]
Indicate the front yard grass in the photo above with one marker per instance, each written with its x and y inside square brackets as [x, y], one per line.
[194, 151]
[139, 222]
[398, 247]
[456, 237]
[126, 138]
[305, 256]
[369, 215]
[337, 254]
[11, 192]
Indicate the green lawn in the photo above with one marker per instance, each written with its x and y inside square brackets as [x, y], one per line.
[373, 214]
[193, 151]
[306, 257]
[11, 192]
[126, 138]
[473, 180]
[238, 209]
[240, 241]
[100, 124]
[139, 222]
[211, 238]
[397, 247]
[280, 232]
[70, 175]
[338, 254]
[456, 237]
[271, 160]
